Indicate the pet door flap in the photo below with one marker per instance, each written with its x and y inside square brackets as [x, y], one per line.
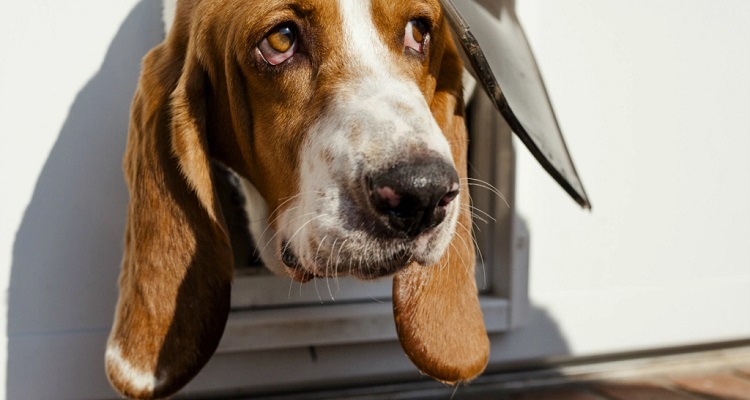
[503, 62]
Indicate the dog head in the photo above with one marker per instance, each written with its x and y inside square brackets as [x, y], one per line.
[346, 118]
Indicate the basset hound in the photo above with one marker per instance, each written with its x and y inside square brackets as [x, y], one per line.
[345, 122]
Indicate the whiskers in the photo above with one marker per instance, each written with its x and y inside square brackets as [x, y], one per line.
[479, 215]
[274, 216]
[478, 183]
[328, 274]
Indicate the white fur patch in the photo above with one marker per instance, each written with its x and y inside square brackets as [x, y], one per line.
[262, 233]
[367, 52]
[138, 380]
[362, 39]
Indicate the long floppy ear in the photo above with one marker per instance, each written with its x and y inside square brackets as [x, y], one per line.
[177, 268]
[438, 316]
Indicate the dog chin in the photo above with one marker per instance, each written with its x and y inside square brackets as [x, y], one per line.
[388, 262]
[302, 273]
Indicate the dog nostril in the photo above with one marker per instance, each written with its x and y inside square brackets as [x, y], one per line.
[414, 197]
[450, 196]
[386, 197]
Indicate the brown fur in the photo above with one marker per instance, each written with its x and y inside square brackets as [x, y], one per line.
[203, 94]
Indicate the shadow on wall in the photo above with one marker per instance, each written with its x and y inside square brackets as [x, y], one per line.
[67, 252]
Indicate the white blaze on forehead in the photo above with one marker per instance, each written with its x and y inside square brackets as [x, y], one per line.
[363, 42]
[381, 87]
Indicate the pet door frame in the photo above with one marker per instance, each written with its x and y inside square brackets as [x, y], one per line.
[268, 315]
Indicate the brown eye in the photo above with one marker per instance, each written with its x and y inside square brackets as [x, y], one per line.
[281, 40]
[417, 31]
[279, 45]
[416, 36]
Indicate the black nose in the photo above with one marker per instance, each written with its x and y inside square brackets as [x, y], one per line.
[413, 197]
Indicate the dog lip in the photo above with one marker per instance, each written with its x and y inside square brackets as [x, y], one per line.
[288, 257]
[389, 266]
[294, 267]
[303, 272]
[300, 275]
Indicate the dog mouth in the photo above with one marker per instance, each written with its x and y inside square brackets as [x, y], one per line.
[344, 260]
[293, 265]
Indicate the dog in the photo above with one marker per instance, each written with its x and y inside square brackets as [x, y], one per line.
[345, 122]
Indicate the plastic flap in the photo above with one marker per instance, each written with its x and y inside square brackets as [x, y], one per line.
[505, 66]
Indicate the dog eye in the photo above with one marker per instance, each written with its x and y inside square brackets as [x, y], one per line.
[416, 36]
[279, 45]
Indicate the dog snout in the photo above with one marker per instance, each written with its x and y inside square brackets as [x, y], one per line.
[411, 198]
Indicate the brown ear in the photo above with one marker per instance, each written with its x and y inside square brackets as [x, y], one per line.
[438, 317]
[177, 267]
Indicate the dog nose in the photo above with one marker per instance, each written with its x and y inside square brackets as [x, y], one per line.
[414, 197]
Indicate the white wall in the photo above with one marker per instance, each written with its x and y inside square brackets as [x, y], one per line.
[67, 75]
[654, 99]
